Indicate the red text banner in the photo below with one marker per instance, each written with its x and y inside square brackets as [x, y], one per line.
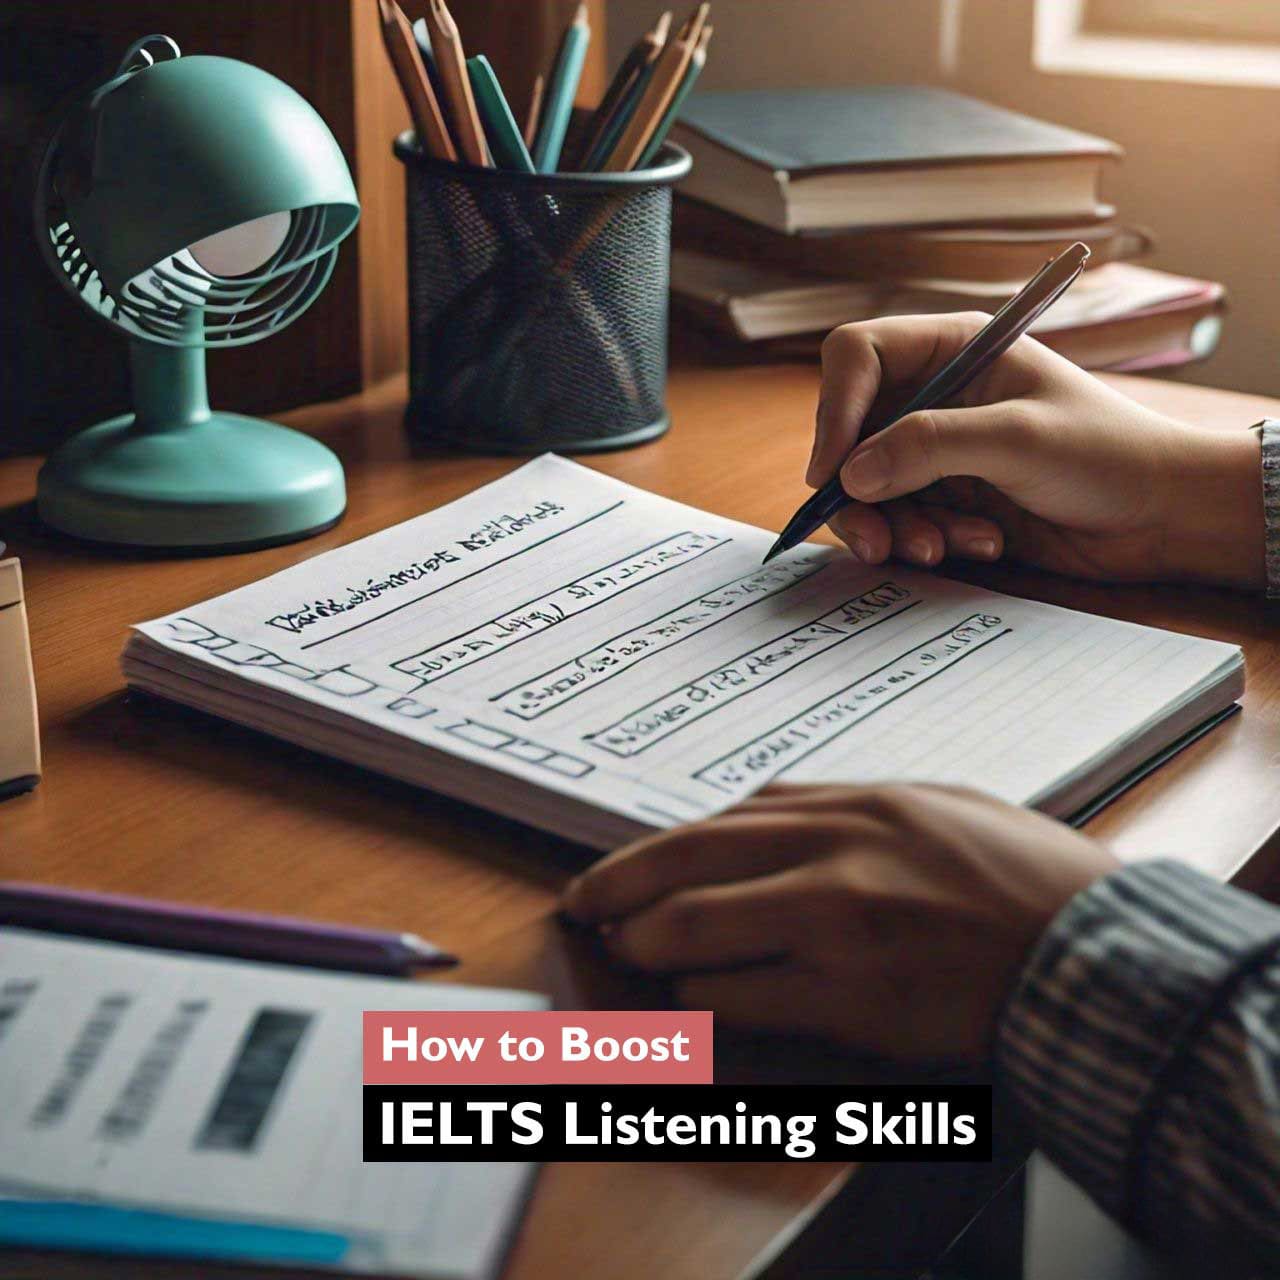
[545, 1047]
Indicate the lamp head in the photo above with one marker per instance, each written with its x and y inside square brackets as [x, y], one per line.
[194, 182]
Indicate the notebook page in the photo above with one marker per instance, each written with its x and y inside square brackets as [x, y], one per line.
[609, 644]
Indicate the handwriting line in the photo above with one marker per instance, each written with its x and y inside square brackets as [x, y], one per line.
[604, 644]
[559, 533]
[529, 635]
[733, 697]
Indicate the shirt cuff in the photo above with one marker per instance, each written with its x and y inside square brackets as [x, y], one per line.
[1114, 990]
[1269, 433]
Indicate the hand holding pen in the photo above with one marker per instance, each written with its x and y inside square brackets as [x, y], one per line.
[1036, 460]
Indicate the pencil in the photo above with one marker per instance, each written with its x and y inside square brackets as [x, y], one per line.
[562, 86]
[406, 62]
[640, 56]
[696, 63]
[451, 66]
[422, 37]
[534, 113]
[668, 73]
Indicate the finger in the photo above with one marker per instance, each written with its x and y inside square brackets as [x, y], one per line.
[916, 538]
[733, 846]
[864, 530]
[776, 997]
[715, 927]
[990, 442]
[973, 537]
[858, 360]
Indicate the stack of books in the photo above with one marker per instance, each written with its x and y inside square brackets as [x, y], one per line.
[807, 209]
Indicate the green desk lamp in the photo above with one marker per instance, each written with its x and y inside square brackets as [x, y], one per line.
[191, 203]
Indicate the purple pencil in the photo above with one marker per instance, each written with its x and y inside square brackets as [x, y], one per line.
[243, 935]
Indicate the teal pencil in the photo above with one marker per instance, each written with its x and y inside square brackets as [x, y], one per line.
[602, 148]
[696, 63]
[501, 130]
[561, 88]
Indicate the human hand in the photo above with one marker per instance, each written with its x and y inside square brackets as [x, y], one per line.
[893, 919]
[1038, 460]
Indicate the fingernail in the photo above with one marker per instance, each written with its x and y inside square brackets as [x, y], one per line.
[983, 548]
[860, 548]
[920, 550]
[866, 473]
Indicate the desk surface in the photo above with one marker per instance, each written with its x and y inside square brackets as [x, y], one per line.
[142, 799]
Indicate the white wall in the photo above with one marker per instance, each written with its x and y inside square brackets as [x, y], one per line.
[1202, 165]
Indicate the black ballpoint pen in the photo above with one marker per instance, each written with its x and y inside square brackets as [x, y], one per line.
[996, 336]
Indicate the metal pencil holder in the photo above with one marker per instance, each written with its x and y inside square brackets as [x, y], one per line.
[537, 304]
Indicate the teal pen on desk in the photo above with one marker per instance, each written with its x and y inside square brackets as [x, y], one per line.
[562, 86]
[501, 130]
[242, 935]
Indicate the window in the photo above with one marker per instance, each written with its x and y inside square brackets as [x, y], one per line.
[1242, 20]
[1217, 42]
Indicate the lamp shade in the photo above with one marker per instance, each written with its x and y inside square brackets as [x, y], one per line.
[157, 161]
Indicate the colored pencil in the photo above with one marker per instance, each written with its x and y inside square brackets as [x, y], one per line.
[534, 113]
[639, 57]
[183, 927]
[696, 63]
[406, 62]
[451, 64]
[562, 87]
[664, 83]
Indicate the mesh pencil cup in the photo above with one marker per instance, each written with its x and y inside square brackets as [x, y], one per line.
[537, 304]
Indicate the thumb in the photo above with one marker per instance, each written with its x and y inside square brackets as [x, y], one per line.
[987, 441]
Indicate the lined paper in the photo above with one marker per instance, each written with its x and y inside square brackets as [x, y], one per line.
[587, 639]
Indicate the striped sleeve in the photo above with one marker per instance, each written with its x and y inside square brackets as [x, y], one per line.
[1143, 1040]
[1269, 433]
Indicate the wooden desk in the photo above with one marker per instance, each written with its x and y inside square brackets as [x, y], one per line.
[141, 799]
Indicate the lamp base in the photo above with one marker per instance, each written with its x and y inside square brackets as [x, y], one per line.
[225, 483]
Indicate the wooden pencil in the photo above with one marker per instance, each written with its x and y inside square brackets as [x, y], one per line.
[451, 64]
[668, 73]
[534, 114]
[633, 66]
[696, 63]
[406, 62]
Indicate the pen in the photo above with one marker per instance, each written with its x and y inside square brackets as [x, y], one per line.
[242, 935]
[997, 336]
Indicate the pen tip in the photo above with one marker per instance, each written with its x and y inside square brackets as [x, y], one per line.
[776, 550]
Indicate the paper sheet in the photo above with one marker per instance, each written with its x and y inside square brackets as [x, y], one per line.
[608, 644]
[229, 1090]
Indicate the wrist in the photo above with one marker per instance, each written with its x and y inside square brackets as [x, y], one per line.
[1214, 527]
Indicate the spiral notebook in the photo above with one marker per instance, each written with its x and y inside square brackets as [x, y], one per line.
[574, 652]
